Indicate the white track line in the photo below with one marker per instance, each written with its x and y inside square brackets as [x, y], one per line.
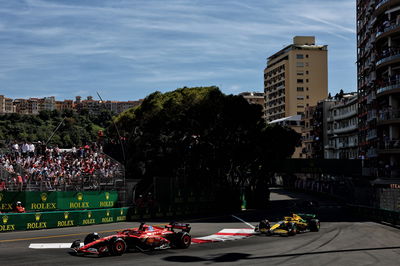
[51, 245]
[243, 221]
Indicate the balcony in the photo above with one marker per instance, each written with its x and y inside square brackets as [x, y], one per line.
[389, 86]
[388, 30]
[389, 117]
[371, 153]
[371, 115]
[383, 5]
[345, 129]
[372, 134]
[389, 147]
[388, 56]
[371, 97]
[345, 115]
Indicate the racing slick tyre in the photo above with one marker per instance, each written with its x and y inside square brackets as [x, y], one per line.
[292, 229]
[118, 247]
[314, 225]
[90, 238]
[182, 240]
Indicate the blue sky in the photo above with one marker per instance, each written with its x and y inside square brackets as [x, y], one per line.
[127, 49]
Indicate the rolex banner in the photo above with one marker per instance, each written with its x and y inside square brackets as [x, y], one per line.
[55, 219]
[57, 200]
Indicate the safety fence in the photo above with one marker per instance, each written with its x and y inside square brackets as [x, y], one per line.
[375, 214]
[57, 219]
[58, 200]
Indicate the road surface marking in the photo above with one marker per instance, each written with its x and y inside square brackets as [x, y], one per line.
[225, 235]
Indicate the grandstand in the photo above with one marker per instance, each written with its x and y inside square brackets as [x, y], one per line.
[52, 169]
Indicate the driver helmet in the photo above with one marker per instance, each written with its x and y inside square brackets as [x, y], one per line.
[19, 203]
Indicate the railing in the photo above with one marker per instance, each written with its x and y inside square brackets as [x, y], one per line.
[388, 55]
[389, 85]
[372, 134]
[381, 3]
[371, 115]
[391, 144]
[387, 115]
[345, 115]
[345, 129]
[388, 28]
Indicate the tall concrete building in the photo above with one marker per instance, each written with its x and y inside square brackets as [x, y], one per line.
[295, 77]
[378, 67]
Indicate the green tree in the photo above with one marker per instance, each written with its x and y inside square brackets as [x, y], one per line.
[201, 134]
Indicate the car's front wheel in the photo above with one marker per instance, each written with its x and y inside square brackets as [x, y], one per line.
[118, 247]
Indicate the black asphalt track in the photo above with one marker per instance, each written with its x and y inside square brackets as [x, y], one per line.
[342, 240]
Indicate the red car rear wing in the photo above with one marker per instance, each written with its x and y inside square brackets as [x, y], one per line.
[181, 226]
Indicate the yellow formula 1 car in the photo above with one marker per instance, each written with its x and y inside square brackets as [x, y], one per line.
[290, 225]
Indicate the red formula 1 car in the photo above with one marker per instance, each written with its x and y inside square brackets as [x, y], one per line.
[143, 238]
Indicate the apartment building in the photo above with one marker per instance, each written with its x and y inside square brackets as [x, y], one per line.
[26, 106]
[378, 66]
[255, 98]
[6, 105]
[117, 107]
[342, 124]
[64, 105]
[295, 77]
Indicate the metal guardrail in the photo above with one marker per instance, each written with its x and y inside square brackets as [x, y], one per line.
[376, 214]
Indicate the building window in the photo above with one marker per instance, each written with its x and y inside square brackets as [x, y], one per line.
[300, 64]
[300, 97]
[300, 106]
[299, 56]
[300, 80]
[307, 72]
[308, 97]
[300, 73]
[300, 88]
[306, 55]
[307, 89]
[306, 80]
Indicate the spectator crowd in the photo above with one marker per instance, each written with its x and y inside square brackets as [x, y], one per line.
[52, 168]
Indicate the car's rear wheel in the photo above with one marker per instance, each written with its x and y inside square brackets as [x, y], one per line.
[314, 225]
[183, 240]
[118, 247]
